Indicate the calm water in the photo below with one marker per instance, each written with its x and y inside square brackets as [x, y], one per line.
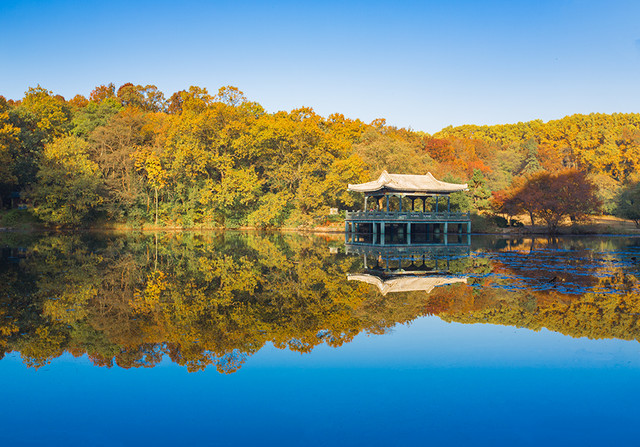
[245, 339]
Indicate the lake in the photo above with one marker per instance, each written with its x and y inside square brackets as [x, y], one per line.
[229, 338]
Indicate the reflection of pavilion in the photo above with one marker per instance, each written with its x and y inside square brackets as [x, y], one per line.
[409, 253]
[405, 268]
[408, 283]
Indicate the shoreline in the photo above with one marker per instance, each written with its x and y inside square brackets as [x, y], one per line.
[593, 229]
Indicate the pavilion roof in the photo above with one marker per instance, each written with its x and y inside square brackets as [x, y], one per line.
[408, 183]
[407, 283]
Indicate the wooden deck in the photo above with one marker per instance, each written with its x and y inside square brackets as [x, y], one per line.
[407, 216]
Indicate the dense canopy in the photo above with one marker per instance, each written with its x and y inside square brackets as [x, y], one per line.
[198, 159]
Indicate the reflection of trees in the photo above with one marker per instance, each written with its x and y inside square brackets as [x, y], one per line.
[217, 298]
[593, 315]
[200, 300]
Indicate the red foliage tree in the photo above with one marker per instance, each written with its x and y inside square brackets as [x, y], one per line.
[554, 197]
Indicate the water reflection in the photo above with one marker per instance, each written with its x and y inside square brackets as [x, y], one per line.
[217, 298]
[410, 267]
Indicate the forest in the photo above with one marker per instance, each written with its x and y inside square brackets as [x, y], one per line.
[133, 156]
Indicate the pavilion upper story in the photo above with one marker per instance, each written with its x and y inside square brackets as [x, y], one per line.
[401, 193]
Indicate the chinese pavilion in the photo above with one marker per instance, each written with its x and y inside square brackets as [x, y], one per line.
[407, 205]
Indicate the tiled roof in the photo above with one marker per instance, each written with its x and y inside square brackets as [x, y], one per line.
[408, 183]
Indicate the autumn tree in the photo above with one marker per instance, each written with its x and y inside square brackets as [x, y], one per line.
[8, 144]
[111, 147]
[381, 151]
[102, 92]
[148, 163]
[554, 197]
[41, 117]
[147, 98]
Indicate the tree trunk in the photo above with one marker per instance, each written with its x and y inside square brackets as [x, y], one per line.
[156, 190]
[531, 217]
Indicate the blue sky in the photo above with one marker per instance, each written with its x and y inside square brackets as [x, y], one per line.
[423, 65]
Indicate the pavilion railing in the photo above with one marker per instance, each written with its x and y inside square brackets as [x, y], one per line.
[407, 216]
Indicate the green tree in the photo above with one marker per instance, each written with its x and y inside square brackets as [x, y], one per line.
[94, 115]
[480, 193]
[628, 203]
[531, 164]
[68, 188]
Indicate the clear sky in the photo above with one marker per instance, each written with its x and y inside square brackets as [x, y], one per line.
[419, 64]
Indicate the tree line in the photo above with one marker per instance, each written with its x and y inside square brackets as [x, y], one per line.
[130, 155]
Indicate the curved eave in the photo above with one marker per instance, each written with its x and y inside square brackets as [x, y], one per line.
[410, 184]
[387, 189]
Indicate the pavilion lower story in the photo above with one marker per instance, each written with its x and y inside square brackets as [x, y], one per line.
[412, 228]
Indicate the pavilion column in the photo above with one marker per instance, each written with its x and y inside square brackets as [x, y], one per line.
[409, 233]
[382, 230]
[424, 204]
[412, 204]
[448, 204]
[365, 202]
[446, 233]
[387, 203]
[437, 203]
[400, 202]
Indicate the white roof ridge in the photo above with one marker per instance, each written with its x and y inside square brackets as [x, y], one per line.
[408, 182]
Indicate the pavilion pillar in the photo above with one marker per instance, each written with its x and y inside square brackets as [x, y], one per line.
[400, 202]
[382, 230]
[412, 204]
[448, 204]
[387, 203]
[424, 204]
[365, 202]
[446, 227]
[468, 227]
[375, 231]
[409, 233]
[437, 203]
